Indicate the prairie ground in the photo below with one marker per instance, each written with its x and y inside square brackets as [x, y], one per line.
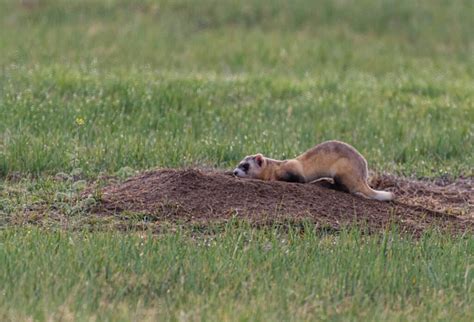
[98, 91]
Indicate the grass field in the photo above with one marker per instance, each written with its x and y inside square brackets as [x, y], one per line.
[236, 273]
[103, 85]
[93, 88]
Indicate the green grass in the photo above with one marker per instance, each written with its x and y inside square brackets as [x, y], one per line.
[141, 120]
[235, 273]
[172, 83]
[98, 87]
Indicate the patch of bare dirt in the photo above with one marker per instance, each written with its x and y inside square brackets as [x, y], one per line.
[210, 196]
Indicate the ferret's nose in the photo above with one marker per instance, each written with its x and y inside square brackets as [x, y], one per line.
[235, 172]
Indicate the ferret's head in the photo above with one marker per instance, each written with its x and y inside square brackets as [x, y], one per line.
[251, 166]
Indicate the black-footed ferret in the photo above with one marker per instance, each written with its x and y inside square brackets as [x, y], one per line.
[333, 159]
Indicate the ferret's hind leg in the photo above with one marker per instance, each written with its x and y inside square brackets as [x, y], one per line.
[358, 186]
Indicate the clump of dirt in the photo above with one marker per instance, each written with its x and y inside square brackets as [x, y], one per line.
[210, 196]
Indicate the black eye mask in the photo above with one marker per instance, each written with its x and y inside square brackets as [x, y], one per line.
[245, 167]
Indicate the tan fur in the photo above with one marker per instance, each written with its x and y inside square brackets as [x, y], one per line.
[332, 159]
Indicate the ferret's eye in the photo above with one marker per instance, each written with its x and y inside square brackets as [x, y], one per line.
[244, 166]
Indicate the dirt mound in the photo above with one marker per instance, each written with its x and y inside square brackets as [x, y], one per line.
[197, 195]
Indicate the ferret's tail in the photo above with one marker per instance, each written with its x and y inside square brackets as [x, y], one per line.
[377, 194]
[382, 195]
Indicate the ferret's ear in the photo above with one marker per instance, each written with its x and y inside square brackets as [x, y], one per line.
[259, 159]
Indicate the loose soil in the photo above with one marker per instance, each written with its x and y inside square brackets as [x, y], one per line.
[210, 196]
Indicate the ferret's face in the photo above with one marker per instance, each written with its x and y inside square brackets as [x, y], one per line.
[250, 167]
